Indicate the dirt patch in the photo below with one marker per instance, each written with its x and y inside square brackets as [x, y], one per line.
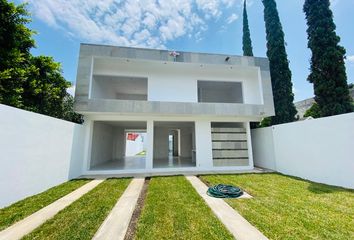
[137, 211]
[204, 181]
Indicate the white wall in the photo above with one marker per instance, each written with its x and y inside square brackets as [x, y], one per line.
[320, 150]
[177, 82]
[36, 152]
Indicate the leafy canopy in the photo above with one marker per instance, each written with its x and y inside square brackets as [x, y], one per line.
[328, 73]
[33, 83]
[285, 110]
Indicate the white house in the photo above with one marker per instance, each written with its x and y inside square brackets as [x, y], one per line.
[192, 109]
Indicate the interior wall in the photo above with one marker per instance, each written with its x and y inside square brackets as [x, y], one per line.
[102, 143]
[187, 142]
[119, 143]
[161, 142]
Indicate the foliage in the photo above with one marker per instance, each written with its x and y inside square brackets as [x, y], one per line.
[285, 207]
[68, 110]
[33, 83]
[285, 110]
[246, 40]
[314, 111]
[15, 44]
[21, 209]
[328, 73]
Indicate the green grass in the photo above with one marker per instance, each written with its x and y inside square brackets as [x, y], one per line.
[285, 207]
[19, 210]
[82, 218]
[174, 210]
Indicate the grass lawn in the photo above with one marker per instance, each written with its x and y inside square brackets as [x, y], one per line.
[174, 210]
[82, 218]
[19, 210]
[289, 208]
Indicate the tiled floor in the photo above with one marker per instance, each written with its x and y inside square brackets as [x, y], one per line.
[138, 162]
[135, 162]
[173, 162]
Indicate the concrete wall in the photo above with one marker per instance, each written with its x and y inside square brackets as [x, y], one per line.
[161, 143]
[178, 82]
[320, 150]
[102, 143]
[36, 152]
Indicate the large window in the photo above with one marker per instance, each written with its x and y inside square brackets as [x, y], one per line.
[119, 87]
[220, 92]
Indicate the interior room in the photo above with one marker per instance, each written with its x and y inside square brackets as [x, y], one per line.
[118, 145]
[119, 87]
[174, 145]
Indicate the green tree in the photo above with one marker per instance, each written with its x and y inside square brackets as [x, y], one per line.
[15, 44]
[246, 39]
[285, 110]
[29, 82]
[45, 88]
[328, 73]
[314, 111]
[68, 110]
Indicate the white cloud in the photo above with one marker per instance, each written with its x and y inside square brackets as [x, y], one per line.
[350, 59]
[148, 23]
[233, 17]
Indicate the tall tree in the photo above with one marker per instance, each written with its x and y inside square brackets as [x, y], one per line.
[15, 44]
[327, 62]
[29, 82]
[285, 110]
[246, 39]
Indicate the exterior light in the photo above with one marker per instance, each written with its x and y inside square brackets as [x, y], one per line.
[227, 59]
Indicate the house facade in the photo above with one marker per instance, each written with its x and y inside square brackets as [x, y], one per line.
[190, 111]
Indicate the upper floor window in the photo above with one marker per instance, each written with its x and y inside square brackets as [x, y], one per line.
[119, 87]
[220, 92]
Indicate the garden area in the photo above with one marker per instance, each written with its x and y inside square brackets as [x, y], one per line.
[282, 207]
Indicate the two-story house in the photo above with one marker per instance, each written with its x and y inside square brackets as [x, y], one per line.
[193, 109]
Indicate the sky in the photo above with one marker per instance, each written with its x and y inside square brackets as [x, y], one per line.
[212, 26]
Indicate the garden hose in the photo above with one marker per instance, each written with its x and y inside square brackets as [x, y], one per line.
[224, 191]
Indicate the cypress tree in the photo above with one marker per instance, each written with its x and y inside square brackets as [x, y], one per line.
[246, 39]
[285, 110]
[327, 62]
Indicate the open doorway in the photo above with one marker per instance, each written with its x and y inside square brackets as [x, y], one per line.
[118, 145]
[174, 145]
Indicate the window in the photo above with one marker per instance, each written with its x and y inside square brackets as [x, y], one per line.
[220, 92]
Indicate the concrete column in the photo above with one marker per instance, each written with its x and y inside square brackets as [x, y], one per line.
[249, 144]
[203, 144]
[88, 125]
[149, 144]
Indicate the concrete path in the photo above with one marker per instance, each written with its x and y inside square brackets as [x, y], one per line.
[27, 225]
[239, 227]
[116, 224]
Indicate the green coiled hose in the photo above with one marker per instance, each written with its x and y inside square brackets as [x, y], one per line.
[224, 191]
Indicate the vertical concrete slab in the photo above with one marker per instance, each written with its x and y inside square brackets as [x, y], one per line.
[249, 144]
[203, 144]
[149, 144]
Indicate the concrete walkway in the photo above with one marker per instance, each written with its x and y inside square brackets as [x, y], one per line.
[27, 225]
[116, 224]
[239, 227]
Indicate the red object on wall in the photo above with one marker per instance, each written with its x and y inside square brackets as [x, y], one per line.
[132, 136]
